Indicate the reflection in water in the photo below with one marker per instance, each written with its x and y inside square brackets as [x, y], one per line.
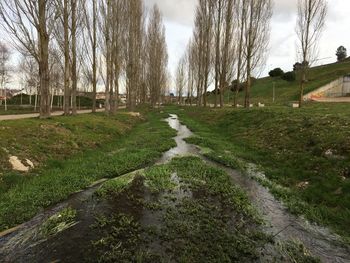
[182, 148]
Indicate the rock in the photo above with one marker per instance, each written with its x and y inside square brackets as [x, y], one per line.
[339, 191]
[17, 165]
[30, 163]
[329, 153]
[303, 185]
[134, 114]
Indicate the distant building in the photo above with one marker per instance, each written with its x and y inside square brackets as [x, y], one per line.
[9, 93]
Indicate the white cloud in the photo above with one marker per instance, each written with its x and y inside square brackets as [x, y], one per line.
[177, 11]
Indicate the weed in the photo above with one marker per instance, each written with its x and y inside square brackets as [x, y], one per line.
[291, 148]
[54, 182]
[58, 222]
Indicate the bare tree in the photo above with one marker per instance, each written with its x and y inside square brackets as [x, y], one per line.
[31, 78]
[119, 30]
[29, 24]
[157, 58]
[310, 23]
[241, 12]
[67, 91]
[190, 53]
[218, 27]
[4, 70]
[74, 25]
[90, 47]
[228, 49]
[181, 78]
[203, 39]
[256, 38]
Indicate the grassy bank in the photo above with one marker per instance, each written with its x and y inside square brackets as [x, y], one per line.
[262, 89]
[71, 153]
[184, 211]
[59, 137]
[306, 151]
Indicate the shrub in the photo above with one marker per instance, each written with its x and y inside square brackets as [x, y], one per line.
[277, 72]
[289, 76]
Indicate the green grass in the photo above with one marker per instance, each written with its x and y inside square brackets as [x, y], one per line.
[262, 89]
[59, 137]
[14, 110]
[115, 149]
[184, 211]
[188, 229]
[58, 222]
[290, 146]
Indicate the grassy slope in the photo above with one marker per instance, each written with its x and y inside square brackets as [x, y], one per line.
[114, 153]
[262, 89]
[290, 146]
[59, 137]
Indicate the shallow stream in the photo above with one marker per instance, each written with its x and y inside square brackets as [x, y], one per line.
[25, 244]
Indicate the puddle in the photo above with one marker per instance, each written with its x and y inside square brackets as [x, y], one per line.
[24, 245]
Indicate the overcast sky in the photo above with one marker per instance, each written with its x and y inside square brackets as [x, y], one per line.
[179, 16]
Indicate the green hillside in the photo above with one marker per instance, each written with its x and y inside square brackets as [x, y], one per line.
[262, 90]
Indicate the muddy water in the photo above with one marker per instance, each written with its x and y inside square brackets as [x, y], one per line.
[26, 245]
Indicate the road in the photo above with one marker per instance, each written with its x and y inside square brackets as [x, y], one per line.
[36, 115]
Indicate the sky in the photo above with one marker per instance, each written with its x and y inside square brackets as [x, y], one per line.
[179, 16]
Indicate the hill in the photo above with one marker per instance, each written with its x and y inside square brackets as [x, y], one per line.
[262, 89]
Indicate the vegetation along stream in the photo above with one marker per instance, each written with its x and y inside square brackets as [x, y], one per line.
[186, 208]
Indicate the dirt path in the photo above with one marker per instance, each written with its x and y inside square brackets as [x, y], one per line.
[36, 115]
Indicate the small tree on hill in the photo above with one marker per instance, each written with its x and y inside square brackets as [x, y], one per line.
[341, 53]
[277, 72]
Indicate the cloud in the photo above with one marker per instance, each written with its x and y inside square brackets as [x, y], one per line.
[284, 10]
[177, 11]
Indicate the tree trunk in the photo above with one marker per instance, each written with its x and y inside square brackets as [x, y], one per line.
[66, 60]
[302, 86]
[94, 56]
[74, 57]
[44, 62]
[108, 59]
[217, 55]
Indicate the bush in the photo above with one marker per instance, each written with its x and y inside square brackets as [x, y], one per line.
[289, 76]
[298, 66]
[277, 72]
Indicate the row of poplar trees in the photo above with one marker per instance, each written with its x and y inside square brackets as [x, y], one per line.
[229, 42]
[106, 41]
